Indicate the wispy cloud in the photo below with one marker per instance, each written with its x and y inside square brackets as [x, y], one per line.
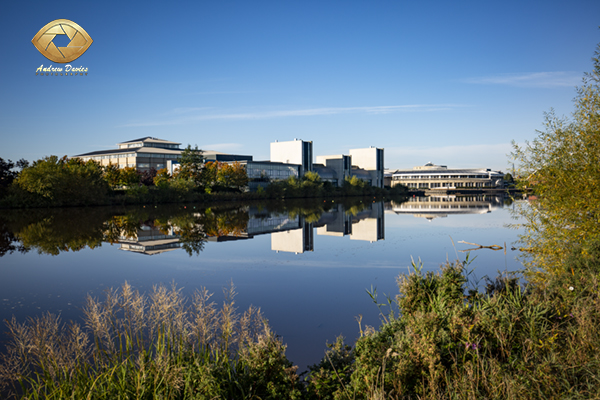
[186, 115]
[534, 79]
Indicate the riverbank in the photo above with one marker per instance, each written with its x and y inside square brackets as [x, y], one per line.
[438, 339]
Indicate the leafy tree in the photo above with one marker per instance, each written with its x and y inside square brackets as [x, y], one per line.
[232, 175]
[162, 178]
[147, 177]
[191, 164]
[112, 175]
[7, 175]
[63, 181]
[129, 177]
[562, 166]
[209, 174]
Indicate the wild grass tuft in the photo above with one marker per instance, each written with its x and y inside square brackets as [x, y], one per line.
[449, 341]
[133, 346]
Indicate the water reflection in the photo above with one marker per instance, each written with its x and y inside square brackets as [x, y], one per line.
[440, 206]
[306, 264]
[156, 230]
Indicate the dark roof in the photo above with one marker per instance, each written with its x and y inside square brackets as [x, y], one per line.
[95, 153]
[139, 140]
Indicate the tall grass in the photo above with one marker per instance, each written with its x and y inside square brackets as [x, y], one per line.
[452, 342]
[133, 346]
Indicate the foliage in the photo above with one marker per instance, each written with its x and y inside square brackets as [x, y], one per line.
[147, 177]
[7, 175]
[62, 182]
[562, 165]
[148, 347]
[233, 176]
[191, 164]
[454, 342]
[129, 177]
[334, 370]
[162, 178]
[112, 175]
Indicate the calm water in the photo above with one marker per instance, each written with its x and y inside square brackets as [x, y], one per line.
[307, 265]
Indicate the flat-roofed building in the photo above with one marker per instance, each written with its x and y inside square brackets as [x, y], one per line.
[439, 177]
[143, 154]
[299, 152]
[149, 152]
[370, 160]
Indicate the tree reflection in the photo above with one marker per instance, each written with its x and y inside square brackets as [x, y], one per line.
[149, 230]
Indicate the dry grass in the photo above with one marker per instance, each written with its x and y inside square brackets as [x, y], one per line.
[139, 346]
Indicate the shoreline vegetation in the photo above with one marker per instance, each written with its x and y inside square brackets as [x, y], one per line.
[534, 334]
[71, 182]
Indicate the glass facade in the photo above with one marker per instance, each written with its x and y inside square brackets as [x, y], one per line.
[270, 171]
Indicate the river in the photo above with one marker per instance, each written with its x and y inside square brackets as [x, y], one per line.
[307, 265]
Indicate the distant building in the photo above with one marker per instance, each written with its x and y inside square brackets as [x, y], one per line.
[365, 164]
[439, 177]
[142, 154]
[297, 152]
[149, 152]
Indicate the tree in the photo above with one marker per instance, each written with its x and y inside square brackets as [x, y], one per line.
[162, 178]
[562, 166]
[112, 175]
[232, 175]
[63, 181]
[129, 177]
[7, 175]
[191, 164]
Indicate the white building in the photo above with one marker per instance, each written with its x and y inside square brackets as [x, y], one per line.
[439, 177]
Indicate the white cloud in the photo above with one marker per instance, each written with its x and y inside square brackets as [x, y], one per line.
[535, 79]
[200, 114]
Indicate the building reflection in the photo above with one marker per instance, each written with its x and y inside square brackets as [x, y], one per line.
[431, 207]
[149, 240]
[290, 231]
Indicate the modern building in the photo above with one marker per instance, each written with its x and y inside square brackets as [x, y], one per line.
[334, 168]
[297, 152]
[370, 160]
[438, 177]
[142, 154]
[149, 152]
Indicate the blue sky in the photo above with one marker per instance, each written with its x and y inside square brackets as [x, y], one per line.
[447, 82]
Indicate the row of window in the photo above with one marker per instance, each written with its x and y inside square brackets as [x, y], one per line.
[444, 206]
[414, 185]
[159, 145]
[126, 155]
[402, 177]
[458, 199]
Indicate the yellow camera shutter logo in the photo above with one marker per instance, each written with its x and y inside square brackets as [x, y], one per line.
[80, 41]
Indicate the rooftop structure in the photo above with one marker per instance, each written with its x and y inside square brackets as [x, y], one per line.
[143, 154]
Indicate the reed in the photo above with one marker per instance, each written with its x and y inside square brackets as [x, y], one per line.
[133, 346]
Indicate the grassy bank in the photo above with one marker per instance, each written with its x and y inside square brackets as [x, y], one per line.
[135, 347]
[440, 338]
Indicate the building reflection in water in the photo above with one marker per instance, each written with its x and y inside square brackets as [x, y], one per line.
[294, 232]
[431, 207]
[150, 240]
[289, 232]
